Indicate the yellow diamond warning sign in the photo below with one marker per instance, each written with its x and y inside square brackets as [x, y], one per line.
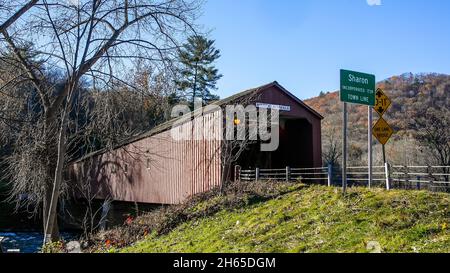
[382, 102]
[382, 131]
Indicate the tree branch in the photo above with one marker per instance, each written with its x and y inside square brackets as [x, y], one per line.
[29, 70]
[17, 15]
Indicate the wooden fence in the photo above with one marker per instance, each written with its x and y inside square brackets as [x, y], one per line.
[433, 178]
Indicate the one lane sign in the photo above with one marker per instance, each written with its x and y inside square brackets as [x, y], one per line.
[382, 131]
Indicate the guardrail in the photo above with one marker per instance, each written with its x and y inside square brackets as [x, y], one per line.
[434, 178]
[422, 177]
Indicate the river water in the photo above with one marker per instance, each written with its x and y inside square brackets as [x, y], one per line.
[29, 242]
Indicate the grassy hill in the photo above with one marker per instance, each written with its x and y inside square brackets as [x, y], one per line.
[300, 218]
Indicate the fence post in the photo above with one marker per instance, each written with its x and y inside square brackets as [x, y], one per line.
[257, 174]
[330, 175]
[430, 176]
[408, 184]
[237, 173]
[418, 183]
[388, 176]
[288, 174]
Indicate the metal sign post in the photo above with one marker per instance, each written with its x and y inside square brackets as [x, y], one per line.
[344, 150]
[369, 148]
[382, 130]
[357, 88]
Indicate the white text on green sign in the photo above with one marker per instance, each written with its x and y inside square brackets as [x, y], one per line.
[357, 87]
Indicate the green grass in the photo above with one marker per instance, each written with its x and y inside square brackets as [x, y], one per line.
[316, 219]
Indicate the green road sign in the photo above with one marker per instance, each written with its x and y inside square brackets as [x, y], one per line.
[357, 87]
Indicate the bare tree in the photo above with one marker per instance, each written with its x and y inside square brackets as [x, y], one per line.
[332, 147]
[431, 127]
[246, 124]
[7, 6]
[91, 42]
[94, 216]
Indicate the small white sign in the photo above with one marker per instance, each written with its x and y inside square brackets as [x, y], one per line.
[273, 106]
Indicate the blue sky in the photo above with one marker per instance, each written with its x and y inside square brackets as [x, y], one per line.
[303, 43]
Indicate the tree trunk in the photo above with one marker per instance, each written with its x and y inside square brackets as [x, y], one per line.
[194, 88]
[51, 232]
[52, 235]
[51, 222]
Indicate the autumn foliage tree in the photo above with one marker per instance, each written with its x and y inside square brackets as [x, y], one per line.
[433, 134]
[416, 99]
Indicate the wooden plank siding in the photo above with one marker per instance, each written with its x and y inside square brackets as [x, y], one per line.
[157, 169]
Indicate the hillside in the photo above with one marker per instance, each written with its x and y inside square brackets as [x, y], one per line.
[409, 94]
[312, 219]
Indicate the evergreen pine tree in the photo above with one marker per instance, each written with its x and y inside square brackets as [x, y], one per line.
[198, 76]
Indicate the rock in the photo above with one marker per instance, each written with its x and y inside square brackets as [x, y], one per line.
[73, 247]
[374, 247]
[85, 245]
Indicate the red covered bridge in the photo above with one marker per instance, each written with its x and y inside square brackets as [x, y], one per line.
[155, 168]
